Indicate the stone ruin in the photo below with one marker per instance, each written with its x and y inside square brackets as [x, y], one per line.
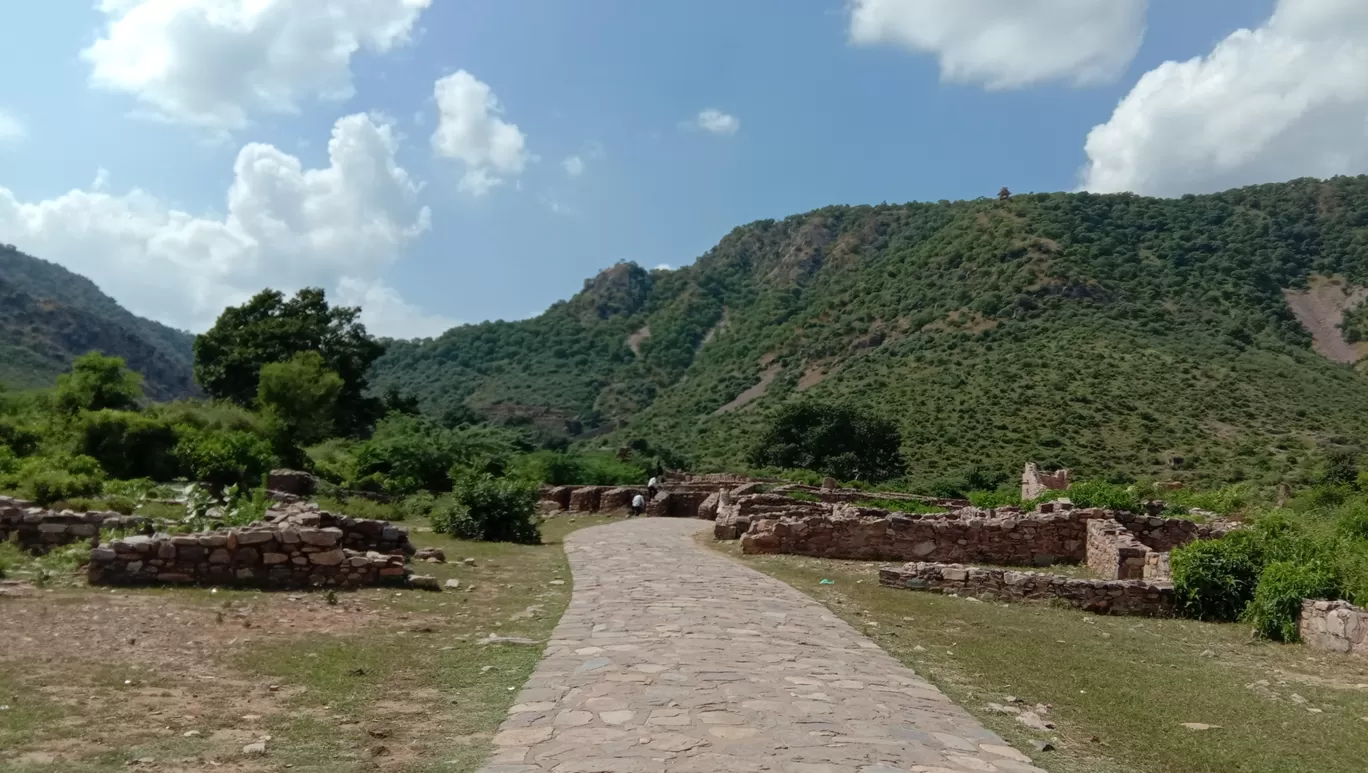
[1335, 626]
[1035, 482]
[37, 530]
[296, 547]
[1128, 552]
[675, 500]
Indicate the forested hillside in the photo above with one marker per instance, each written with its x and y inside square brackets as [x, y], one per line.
[49, 316]
[1113, 334]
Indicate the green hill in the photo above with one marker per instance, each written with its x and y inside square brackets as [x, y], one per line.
[49, 315]
[1110, 334]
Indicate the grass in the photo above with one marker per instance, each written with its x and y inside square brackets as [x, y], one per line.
[382, 678]
[1120, 687]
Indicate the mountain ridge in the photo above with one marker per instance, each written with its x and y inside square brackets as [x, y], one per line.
[1111, 333]
[49, 315]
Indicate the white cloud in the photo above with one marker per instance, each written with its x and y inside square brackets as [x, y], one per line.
[1288, 99]
[385, 313]
[664, 267]
[574, 166]
[1003, 44]
[470, 130]
[213, 63]
[11, 128]
[717, 122]
[285, 227]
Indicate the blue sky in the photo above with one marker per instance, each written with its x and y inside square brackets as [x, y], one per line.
[922, 100]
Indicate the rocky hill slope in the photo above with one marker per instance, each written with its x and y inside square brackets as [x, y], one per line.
[1111, 334]
[49, 315]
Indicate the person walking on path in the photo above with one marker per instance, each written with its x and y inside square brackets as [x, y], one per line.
[638, 506]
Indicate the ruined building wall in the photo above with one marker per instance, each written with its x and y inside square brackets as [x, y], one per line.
[1117, 597]
[1035, 481]
[1335, 626]
[37, 530]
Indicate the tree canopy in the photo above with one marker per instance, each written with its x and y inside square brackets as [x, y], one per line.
[837, 440]
[98, 383]
[271, 328]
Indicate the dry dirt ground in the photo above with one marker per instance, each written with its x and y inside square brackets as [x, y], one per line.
[189, 679]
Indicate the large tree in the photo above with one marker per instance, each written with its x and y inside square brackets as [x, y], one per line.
[842, 441]
[97, 383]
[271, 328]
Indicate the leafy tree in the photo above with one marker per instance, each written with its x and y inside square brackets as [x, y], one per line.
[838, 440]
[299, 398]
[98, 383]
[271, 328]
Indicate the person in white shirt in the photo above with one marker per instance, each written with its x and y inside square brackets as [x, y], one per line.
[651, 487]
[638, 505]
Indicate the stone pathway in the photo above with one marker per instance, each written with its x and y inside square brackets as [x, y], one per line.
[674, 659]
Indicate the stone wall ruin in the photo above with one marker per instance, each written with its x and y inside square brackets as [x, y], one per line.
[1116, 597]
[1335, 626]
[1035, 481]
[37, 530]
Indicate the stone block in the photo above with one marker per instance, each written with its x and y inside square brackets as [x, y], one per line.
[220, 556]
[327, 558]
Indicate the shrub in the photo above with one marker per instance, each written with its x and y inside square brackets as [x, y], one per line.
[136, 488]
[18, 437]
[225, 458]
[1215, 579]
[1277, 602]
[419, 505]
[992, 499]
[1107, 496]
[492, 510]
[97, 382]
[130, 445]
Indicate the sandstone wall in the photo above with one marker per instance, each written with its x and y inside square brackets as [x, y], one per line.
[1114, 552]
[586, 499]
[619, 498]
[557, 495]
[677, 504]
[37, 530]
[1335, 626]
[294, 482]
[1035, 481]
[1157, 567]
[261, 555]
[734, 518]
[1038, 539]
[1164, 534]
[1116, 597]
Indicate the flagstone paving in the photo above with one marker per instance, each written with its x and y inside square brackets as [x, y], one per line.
[675, 659]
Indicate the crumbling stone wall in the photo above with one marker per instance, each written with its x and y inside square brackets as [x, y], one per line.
[1157, 567]
[359, 534]
[261, 555]
[557, 495]
[847, 495]
[1335, 626]
[293, 482]
[1114, 552]
[619, 498]
[37, 530]
[586, 499]
[734, 517]
[1116, 597]
[1035, 481]
[677, 504]
[1038, 539]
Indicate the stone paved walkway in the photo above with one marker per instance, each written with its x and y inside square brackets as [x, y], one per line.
[673, 658]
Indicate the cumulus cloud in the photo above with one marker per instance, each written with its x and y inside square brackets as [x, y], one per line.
[1288, 99]
[469, 130]
[717, 122]
[213, 63]
[1003, 44]
[574, 166]
[11, 128]
[385, 313]
[285, 227]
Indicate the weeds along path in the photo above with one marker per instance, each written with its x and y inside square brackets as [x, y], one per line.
[674, 658]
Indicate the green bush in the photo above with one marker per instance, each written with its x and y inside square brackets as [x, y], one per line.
[842, 441]
[418, 505]
[993, 499]
[137, 488]
[589, 469]
[1096, 493]
[491, 509]
[19, 437]
[1276, 606]
[1215, 579]
[130, 445]
[225, 458]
